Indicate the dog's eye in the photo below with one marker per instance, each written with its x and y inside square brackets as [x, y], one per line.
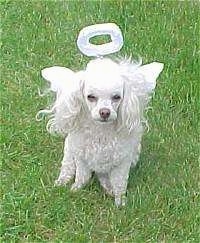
[92, 98]
[116, 97]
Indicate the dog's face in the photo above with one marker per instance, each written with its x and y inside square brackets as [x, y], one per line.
[103, 91]
[103, 103]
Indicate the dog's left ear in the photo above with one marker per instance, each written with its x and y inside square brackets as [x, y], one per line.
[146, 76]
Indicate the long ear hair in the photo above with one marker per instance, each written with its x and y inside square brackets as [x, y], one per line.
[66, 109]
[129, 110]
[139, 84]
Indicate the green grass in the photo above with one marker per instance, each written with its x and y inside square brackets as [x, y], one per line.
[163, 192]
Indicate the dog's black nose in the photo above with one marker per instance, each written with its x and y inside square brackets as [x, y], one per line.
[104, 113]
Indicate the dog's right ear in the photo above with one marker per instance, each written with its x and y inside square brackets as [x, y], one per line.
[60, 78]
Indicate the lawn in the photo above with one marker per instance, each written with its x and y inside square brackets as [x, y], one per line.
[163, 192]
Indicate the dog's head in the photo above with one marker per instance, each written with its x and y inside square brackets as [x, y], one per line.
[103, 90]
[108, 91]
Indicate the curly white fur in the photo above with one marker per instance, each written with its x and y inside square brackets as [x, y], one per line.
[100, 112]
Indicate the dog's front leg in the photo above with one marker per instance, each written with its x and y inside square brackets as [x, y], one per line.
[119, 178]
[67, 172]
[105, 182]
[68, 169]
[83, 174]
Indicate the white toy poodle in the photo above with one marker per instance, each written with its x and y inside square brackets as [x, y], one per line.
[100, 112]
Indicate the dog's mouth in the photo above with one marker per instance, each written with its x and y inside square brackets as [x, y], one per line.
[104, 120]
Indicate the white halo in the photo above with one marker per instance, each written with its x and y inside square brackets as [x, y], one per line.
[88, 32]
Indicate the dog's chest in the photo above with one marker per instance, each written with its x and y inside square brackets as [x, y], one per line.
[102, 150]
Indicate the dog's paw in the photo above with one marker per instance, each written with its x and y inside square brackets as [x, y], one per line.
[61, 181]
[120, 201]
[76, 186]
[58, 183]
[109, 191]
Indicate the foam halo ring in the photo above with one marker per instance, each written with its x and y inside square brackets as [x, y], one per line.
[89, 49]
